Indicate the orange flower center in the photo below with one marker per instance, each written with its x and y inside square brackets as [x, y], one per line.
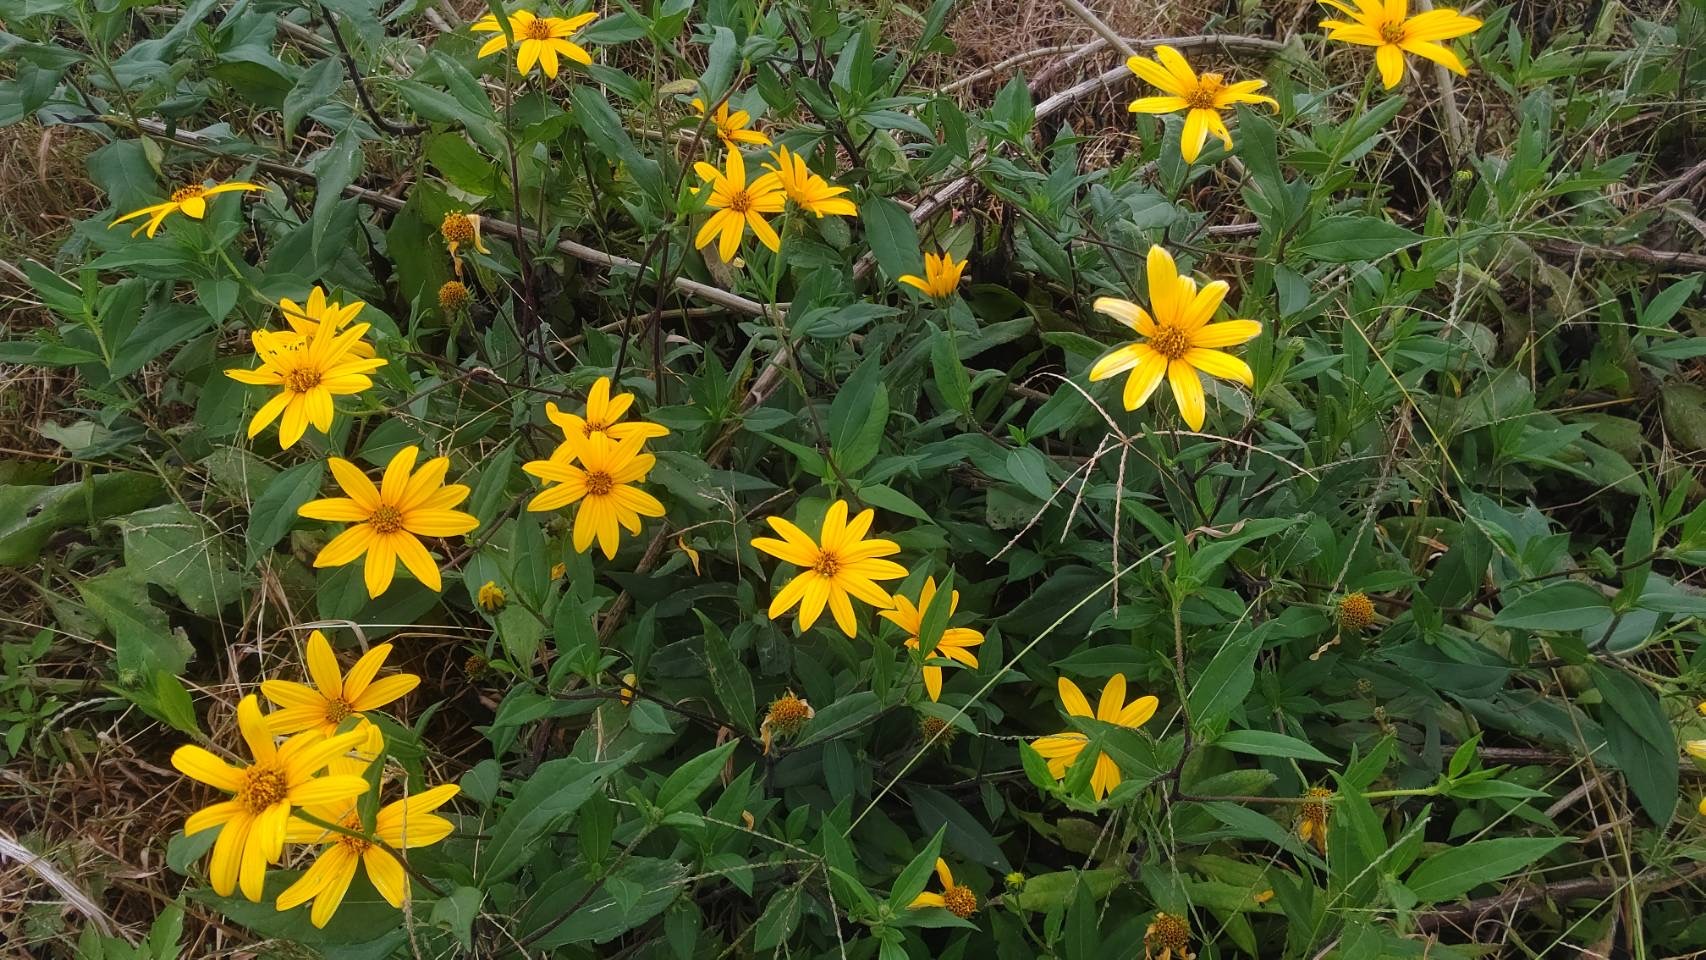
[599, 483]
[386, 519]
[338, 710]
[187, 193]
[960, 901]
[1170, 342]
[595, 426]
[788, 713]
[741, 202]
[827, 565]
[302, 379]
[262, 788]
[1393, 32]
[1208, 87]
[353, 844]
[538, 29]
[457, 228]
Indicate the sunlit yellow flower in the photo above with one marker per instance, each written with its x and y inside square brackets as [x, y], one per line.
[389, 519]
[941, 276]
[739, 205]
[538, 40]
[1062, 750]
[190, 201]
[809, 191]
[956, 642]
[840, 564]
[732, 127]
[786, 717]
[603, 485]
[603, 415]
[492, 597]
[460, 229]
[252, 823]
[401, 825]
[308, 374]
[1178, 340]
[1312, 817]
[334, 698]
[1202, 98]
[1386, 26]
[1168, 938]
[954, 898]
[305, 319]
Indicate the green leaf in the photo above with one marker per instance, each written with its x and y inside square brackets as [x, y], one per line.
[183, 553]
[29, 515]
[335, 168]
[689, 780]
[916, 876]
[543, 803]
[891, 235]
[143, 641]
[312, 90]
[950, 374]
[858, 415]
[967, 836]
[274, 511]
[1227, 680]
[1348, 239]
[1561, 605]
[729, 678]
[840, 718]
[1452, 873]
[1266, 743]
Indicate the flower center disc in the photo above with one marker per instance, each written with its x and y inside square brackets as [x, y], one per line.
[741, 202]
[337, 711]
[1202, 98]
[386, 519]
[262, 787]
[457, 228]
[1392, 33]
[595, 426]
[539, 29]
[828, 564]
[186, 193]
[599, 483]
[1170, 342]
[353, 844]
[302, 379]
[960, 901]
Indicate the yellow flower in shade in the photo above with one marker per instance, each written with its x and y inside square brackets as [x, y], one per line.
[306, 318]
[460, 229]
[786, 717]
[809, 191]
[630, 686]
[253, 822]
[308, 373]
[603, 415]
[1356, 612]
[1702, 806]
[190, 201]
[389, 519]
[956, 642]
[840, 564]
[559, 570]
[941, 276]
[602, 485]
[1386, 26]
[954, 898]
[1695, 748]
[453, 295]
[334, 697]
[1312, 816]
[1178, 340]
[540, 40]
[1168, 938]
[1202, 98]
[492, 597]
[401, 825]
[1062, 750]
[732, 127]
[739, 205]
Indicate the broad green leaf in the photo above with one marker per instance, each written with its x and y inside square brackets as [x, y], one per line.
[542, 804]
[1452, 873]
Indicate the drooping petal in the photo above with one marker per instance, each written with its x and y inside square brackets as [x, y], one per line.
[1118, 361]
[1127, 313]
[1145, 377]
[1438, 53]
[346, 546]
[1389, 57]
[200, 764]
[1218, 364]
[1188, 392]
[1162, 104]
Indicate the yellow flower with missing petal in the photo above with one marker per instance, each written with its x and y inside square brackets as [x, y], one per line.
[305, 318]
[1063, 750]
[732, 127]
[941, 276]
[958, 900]
[191, 201]
[738, 205]
[538, 40]
[308, 373]
[603, 486]
[1313, 815]
[603, 415]
[1387, 26]
[840, 564]
[956, 643]
[253, 822]
[389, 519]
[1179, 342]
[460, 229]
[334, 697]
[809, 191]
[1202, 98]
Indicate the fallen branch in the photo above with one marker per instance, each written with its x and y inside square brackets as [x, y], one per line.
[1577, 250]
[1646, 883]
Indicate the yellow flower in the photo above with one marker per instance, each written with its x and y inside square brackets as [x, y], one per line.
[407, 504]
[1386, 26]
[190, 201]
[1178, 341]
[630, 686]
[1312, 817]
[941, 276]
[559, 570]
[334, 698]
[305, 319]
[453, 296]
[1695, 748]
[308, 374]
[603, 416]
[956, 642]
[811, 192]
[1203, 98]
[401, 825]
[840, 564]
[603, 485]
[1356, 612]
[1062, 750]
[1168, 938]
[786, 716]
[459, 229]
[492, 597]
[538, 40]
[732, 127]
[739, 205]
[954, 898]
[252, 823]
